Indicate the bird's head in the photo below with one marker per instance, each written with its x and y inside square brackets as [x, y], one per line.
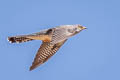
[79, 28]
[76, 29]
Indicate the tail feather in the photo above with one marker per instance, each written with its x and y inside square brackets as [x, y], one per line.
[18, 39]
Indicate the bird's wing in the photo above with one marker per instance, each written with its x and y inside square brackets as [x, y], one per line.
[59, 35]
[45, 51]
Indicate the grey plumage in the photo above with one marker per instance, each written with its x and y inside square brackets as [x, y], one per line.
[52, 40]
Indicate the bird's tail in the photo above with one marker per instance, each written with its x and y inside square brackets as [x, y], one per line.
[18, 39]
[44, 35]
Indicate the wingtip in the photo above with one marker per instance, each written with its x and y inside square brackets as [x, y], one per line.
[31, 68]
[34, 66]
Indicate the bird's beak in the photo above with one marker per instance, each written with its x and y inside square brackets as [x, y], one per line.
[84, 28]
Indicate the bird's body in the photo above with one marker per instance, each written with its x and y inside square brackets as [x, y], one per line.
[52, 38]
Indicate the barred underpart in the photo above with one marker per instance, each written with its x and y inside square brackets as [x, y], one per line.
[45, 52]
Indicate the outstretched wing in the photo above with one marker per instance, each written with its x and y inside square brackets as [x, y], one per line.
[45, 51]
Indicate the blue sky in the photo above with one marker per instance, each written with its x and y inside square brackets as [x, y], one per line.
[94, 54]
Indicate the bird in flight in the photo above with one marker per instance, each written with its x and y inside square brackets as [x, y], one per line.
[52, 40]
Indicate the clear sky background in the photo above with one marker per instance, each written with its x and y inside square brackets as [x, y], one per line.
[94, 54]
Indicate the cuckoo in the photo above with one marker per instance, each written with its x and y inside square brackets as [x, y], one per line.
[52, 40]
